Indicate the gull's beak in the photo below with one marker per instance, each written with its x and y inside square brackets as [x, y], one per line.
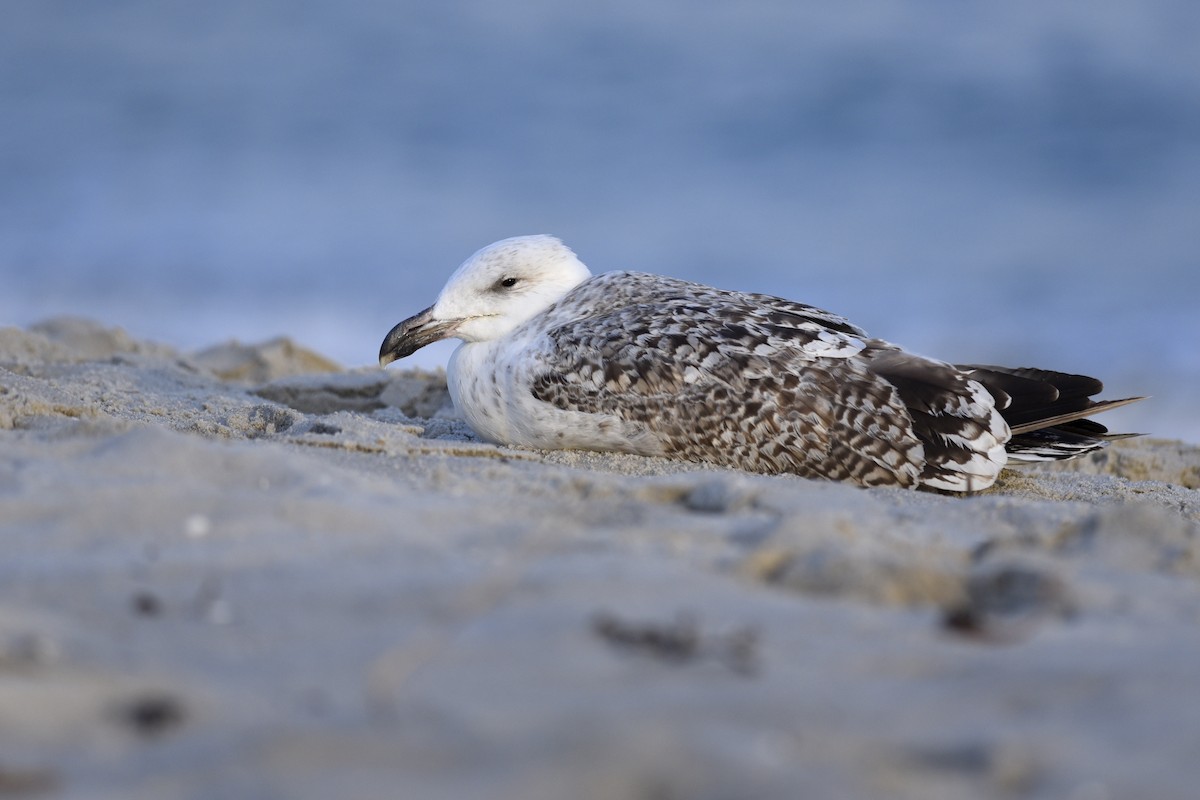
[414, 333]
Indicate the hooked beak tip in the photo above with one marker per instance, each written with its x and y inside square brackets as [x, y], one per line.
[411, 335]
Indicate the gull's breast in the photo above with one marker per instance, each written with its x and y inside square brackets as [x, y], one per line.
[491, 385]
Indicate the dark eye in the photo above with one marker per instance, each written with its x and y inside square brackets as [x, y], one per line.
[508, 283]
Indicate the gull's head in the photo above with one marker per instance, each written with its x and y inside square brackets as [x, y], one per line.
[493, 292]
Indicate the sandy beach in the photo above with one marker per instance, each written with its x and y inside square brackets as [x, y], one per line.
[247, 573]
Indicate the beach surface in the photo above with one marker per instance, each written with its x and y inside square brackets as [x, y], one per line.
[245, 572]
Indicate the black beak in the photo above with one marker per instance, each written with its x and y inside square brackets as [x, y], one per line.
[411, 335]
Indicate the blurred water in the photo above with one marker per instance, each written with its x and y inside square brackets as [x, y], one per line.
[1017, 183]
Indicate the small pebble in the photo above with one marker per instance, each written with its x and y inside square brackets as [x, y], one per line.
[146, 604]
[151, 714]
[197, 526]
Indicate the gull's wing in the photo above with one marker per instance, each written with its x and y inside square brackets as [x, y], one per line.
[722, 377]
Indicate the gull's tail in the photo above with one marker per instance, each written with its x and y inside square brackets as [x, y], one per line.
[1047, 411]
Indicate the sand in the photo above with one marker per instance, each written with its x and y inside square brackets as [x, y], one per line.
[247, 573]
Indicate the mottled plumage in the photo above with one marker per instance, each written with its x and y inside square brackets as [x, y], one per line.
[555, 358]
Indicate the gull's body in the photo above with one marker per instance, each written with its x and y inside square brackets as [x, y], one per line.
[553, 357]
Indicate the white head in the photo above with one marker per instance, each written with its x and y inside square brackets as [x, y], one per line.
[494, 291]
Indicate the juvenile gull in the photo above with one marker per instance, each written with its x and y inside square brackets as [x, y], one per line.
[553, 357]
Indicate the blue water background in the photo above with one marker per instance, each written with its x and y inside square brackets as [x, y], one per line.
[1008, 182]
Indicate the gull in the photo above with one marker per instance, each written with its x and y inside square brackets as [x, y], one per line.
[553, 357]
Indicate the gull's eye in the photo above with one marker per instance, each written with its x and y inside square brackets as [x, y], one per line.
[508, 283]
